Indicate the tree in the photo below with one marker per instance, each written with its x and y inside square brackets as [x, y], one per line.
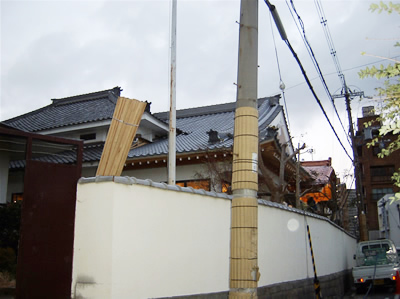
[217, 170]
[10, 219]
[389, 114]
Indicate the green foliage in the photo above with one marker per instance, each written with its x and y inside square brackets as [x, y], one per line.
[8, 261]
[390, 7]
[382, 72]
[10, 219]
[389, 113]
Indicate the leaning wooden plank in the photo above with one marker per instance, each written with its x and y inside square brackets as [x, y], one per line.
[119, 135]
[126, 119]
[135, 115]
[127, 133]
[124, 134]
[108, 156]
[107, 151]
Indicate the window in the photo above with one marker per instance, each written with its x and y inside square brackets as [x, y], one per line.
[378, 193]
[377, 254]
[359, 151]
[91, 136]
[381, 173]
[226, 187]
[17, 197]
[195, 184]
[376, 150]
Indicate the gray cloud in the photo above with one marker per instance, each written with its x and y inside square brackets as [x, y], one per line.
[54, 49]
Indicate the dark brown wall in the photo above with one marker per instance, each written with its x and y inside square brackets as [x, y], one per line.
[47, 231]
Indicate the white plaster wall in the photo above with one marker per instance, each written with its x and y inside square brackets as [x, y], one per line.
[15, 183]
[186, 172]
[137, 241]
[157, 242]
[4, 165]
[283, 134]
[92, 264]
[284, 252]
[146, 133]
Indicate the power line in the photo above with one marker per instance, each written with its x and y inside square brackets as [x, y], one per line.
[315, 62]
[347, 94]
[329, 39]
[281, 84]
[282, 32]
[345, 70]
[315, 96]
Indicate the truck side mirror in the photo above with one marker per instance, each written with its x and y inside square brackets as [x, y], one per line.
[354, 257]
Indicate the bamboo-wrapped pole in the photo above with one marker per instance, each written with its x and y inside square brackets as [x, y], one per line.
[122, 131]
[244, 272]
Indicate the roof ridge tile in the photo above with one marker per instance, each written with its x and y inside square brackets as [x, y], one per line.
[116, 91]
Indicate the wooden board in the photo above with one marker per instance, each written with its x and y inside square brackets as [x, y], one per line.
[122, 131]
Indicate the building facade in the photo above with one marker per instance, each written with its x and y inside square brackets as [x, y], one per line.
[203, 144]
[389, 219]
[376, 172]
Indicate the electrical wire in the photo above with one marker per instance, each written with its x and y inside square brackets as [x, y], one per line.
[349, 175]
[345, 70]
[315, 62]
[281, 84]
[315, 96]
[274, 13]
[329, 39]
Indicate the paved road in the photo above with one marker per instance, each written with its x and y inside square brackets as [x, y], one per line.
[375, 293]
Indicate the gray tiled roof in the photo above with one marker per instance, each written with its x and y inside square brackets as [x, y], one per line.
[91, 152]
[192, 124]
[64, 112]
[321, 174]
[196, 122]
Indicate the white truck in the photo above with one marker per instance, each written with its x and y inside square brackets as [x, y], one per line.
[377, 263]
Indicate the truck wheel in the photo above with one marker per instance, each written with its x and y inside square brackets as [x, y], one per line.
[360, 289]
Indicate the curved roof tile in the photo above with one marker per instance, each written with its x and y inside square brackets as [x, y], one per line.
[194, 122]
[64, 112]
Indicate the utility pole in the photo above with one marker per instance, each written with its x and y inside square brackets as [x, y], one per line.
[282, 163]
[298, 179]
[244, 271]
[357, 172]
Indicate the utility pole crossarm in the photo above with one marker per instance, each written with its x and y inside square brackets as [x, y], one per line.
[294, 153]
[351, 94]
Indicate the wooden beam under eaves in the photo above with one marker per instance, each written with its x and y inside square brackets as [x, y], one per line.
[186, 159]
[122, 131]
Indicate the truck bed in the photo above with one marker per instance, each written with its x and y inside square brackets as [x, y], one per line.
[369, 273]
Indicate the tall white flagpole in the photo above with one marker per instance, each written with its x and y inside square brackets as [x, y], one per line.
[172, 106]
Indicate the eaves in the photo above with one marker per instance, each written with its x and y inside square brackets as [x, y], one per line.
[77, 127]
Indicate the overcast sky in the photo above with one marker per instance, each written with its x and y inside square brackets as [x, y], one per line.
[56, 49]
